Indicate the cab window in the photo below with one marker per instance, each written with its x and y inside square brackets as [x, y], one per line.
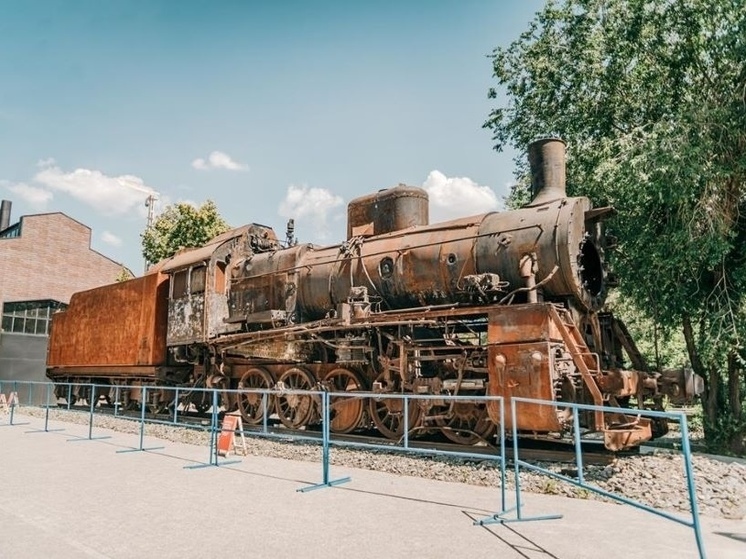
[197, 285]
[179, 284]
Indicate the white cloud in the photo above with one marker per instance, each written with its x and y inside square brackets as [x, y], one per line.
[455, 197]
[36, 197]
[111, 239]
[218, 160]
[310, 205]
[109, 195]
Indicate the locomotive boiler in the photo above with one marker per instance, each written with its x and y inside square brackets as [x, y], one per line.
[504, 303]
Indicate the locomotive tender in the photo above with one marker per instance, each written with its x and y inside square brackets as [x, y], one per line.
[503, 304]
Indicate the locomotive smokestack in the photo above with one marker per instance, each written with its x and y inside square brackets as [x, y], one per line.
[5, 214]
[547, 160]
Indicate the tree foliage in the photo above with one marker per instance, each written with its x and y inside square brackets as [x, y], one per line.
[180, 226]
[123, 275]
[651, 98]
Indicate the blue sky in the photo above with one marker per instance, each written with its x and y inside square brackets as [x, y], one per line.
[271, 109]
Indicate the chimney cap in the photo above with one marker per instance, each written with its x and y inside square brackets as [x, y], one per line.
[5, 207]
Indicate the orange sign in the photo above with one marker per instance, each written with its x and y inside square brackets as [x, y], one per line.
[227, 435]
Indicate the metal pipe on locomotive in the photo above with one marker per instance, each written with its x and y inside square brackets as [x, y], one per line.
[505, 303]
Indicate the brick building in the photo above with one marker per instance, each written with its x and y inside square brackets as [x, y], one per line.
[44, 259]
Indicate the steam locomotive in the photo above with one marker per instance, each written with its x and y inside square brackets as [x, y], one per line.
[503, 304]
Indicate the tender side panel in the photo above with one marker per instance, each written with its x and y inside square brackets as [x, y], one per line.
[118, 324]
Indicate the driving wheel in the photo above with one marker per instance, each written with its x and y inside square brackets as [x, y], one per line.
[345, 412]
[250, 403]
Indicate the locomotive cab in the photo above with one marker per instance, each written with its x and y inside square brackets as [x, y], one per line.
[198, 295]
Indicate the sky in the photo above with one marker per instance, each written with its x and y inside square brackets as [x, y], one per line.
[272, 109]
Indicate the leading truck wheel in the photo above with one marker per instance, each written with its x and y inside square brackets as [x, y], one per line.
[250, 403]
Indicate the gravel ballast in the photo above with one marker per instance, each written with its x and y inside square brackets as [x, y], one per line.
[656, 479]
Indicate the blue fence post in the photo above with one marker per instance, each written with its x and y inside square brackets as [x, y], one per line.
[325, 437]
[13, 401]
[578, 449]
[406, 421]
[93, 407]
[498, 517]
[686, 450]
[265, 405]
[214, 429]
[143, 405]
[516, 460]
[176, 406]
[502, 454]
[46, 429]
[325, 443]
[46, 414]
[213, 432]
[91, 411]
[69, 395]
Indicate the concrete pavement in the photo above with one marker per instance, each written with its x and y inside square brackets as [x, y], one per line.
[63, 496]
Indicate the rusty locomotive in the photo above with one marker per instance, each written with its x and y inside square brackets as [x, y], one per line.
[505, 304]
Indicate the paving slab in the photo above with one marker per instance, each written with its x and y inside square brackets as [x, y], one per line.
[63, 496]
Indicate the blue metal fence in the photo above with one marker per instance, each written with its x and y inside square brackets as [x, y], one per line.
[327, 400]
[693, 522]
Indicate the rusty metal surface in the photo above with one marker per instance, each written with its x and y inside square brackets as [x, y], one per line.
[386, 211]
[266, 282]
[201, 310]
[522, 323]
[190, 257]
[468, 261]
[119, 324]
[93, 371]
[546, 158]
[186, 319]
[499, 303]
[524, 371]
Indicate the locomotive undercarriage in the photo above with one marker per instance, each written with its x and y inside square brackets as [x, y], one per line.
[523, 350]
[530, 351]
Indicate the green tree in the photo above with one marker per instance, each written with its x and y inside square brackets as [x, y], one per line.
[123, 275]
[651, 97]
[180, 226]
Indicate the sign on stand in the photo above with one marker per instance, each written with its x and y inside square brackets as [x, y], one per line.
[12, 400]
[227, 435]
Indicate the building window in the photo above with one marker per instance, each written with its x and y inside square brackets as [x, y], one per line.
[30, 317]
[11, 232]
